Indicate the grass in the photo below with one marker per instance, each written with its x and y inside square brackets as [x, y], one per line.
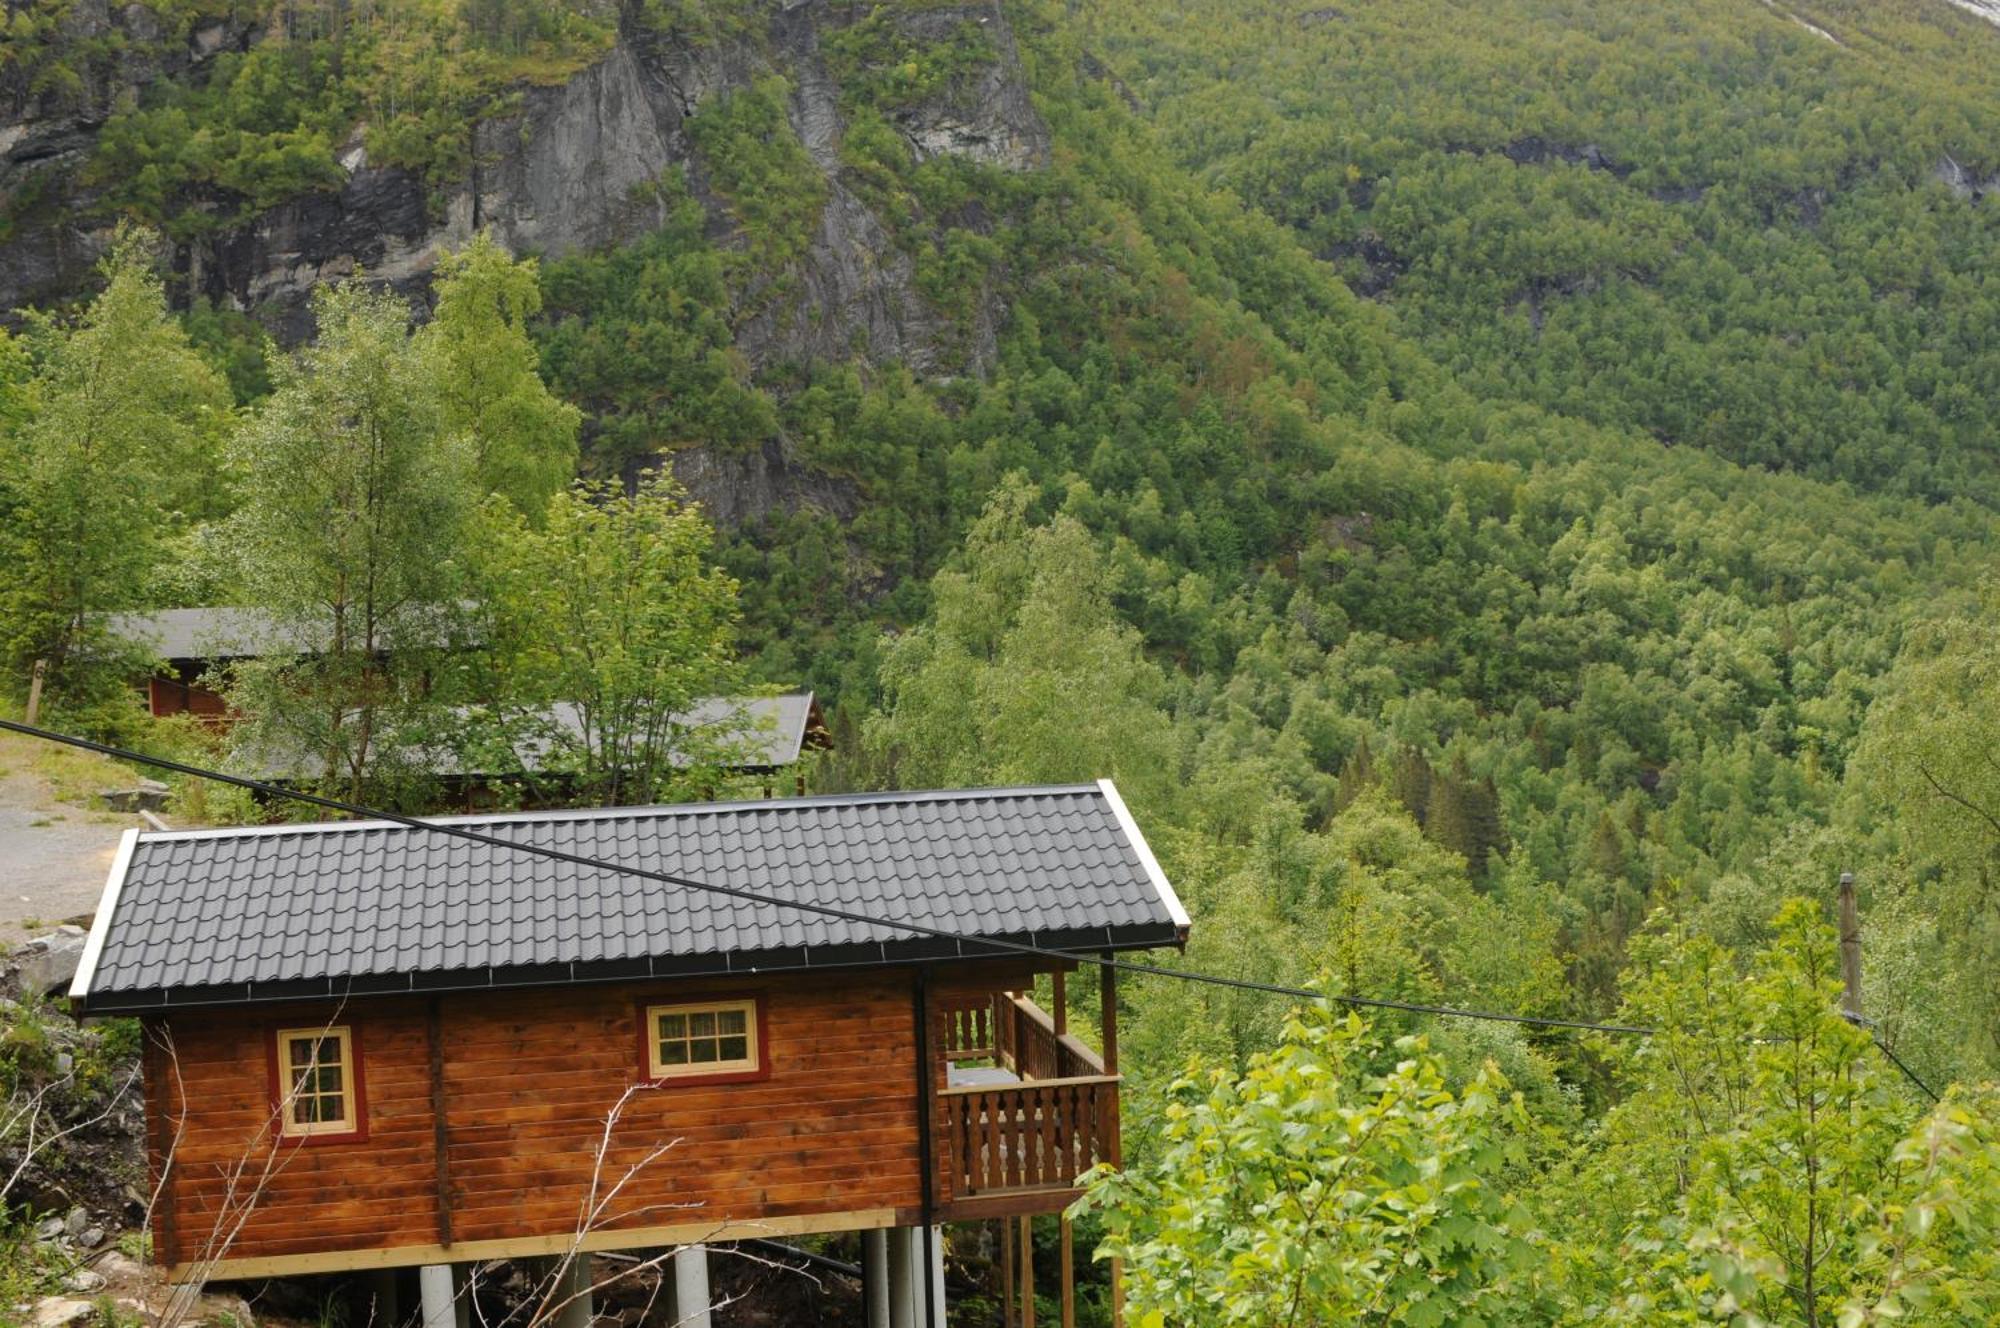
[69, 776]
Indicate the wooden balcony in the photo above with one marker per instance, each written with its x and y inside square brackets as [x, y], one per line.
[1026, 1108]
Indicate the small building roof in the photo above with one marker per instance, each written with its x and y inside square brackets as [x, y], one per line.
[756, 732]
[212, 632]
[203, 917]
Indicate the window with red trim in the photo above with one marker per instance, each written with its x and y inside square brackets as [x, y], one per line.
[318, 1081]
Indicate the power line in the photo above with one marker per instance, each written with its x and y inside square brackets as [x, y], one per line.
[1897, 1061]
[995, 944]
[846, 915]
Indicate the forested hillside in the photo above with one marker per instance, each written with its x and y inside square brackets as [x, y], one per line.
[1509, 491]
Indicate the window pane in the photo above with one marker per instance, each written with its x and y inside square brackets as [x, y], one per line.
[702, 1024]
[732, 1021]
[673, 1026]
[735, 1049]
[302, 1051]
[673, 1053]
[302, 1080]
[701, 1050]
[329, 1079]
[302, 1111]
[332, 1107]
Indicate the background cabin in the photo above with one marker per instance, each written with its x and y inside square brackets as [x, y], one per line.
[758, 736]
[376, 1046]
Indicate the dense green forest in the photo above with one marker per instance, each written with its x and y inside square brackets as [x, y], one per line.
[1508, 491]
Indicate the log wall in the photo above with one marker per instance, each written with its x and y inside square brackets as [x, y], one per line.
[525, 1080]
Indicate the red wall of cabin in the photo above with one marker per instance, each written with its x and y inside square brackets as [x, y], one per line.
[527, 1078]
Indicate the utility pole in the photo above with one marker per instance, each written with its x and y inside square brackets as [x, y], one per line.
[1850, 951]
[35, 691]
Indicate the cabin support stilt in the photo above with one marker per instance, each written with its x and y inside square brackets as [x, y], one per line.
[912, 1303]
[571, 1296]
[690, 1287]
[434, 1282]
[1027, 1270]
[902, 1281]
[937, 1302]
[1068, 1274]
[875, 1276]
[1006, 1273]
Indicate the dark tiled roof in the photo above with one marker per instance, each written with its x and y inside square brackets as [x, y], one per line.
[277, 912]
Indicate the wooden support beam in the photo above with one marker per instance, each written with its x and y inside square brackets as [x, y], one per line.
[1068, 1274]
[33, 714]
[1027, 1271]
[1006, 1272]
[1114, 1148]
[1108, 987]
[156, 1064]
[1061, 1000]
[440, 1130]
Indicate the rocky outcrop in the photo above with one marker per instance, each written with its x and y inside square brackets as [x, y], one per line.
[571, 169]
[1964, 181]
[50, 235]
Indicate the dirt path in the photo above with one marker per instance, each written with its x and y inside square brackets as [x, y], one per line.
[54, 855]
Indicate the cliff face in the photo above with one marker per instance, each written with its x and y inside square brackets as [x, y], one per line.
[569, 170]
[575, 167]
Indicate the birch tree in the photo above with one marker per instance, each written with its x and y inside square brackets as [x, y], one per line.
[522, 436]
[604, 624]
[113, 446]
[351, 537]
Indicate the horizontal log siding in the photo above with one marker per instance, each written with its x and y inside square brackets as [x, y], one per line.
[528, 1079]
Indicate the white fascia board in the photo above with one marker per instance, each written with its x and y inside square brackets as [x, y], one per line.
[100, 925]
[1145, 852]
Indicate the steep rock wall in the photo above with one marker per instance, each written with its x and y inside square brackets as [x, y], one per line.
[570, 170]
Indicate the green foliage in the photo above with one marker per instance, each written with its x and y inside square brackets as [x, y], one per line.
[757, 164]
[236, 344]
[256, 127]
[880, 64]
[111, 440]
[1928, 765]
[1317, 1188]
[1691, 222]
[352, 537]
[522, 437]
[640, 338]
[1769, 1165]
[609, 605]
[1023, 675]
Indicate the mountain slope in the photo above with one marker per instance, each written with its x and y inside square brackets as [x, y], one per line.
[1586, 541]
[1764, 230]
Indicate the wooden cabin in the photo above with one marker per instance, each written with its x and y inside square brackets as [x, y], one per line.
[372, 1046]
[759, 736]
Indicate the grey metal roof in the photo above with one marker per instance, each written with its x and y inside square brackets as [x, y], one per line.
[299, 911]
[202, 633]
[749, 732]
[730, 732]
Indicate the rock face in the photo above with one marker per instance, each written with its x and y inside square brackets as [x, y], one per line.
[1964, 181]
[570, 170]
[574, 169]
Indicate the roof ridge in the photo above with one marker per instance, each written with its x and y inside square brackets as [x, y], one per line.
[571, 815]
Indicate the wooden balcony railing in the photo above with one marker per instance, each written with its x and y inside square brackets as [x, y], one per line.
[968, 1029]
[1036, 1135]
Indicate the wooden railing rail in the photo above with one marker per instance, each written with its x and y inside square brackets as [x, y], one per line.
[1075, 1058]
[968, 1030]
[1036, 1055]
[1037, 1135]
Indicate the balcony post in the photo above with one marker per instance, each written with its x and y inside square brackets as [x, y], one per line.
[1108, 976]
[1061, 996]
